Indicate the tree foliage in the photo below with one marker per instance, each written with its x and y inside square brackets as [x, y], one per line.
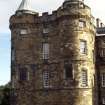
[5, 95]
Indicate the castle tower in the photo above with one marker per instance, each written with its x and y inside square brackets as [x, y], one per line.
[52, 55]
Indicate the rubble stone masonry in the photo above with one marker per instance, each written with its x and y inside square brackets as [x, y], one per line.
[63, 31]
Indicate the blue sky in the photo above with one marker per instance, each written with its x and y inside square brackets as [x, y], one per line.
[8, 7]
[4, 58]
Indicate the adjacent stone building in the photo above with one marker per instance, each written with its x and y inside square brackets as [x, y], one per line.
[100, 61]
[53, 56]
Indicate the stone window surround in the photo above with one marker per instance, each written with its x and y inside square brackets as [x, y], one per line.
[45, 30]
[83, 46]
[103, 100]
[84, 78]
[46, 79]
[103, 79]
[102, 52]
[45, 50]
[23, 74]
[68, 65]
[82, 23]
[23, 31]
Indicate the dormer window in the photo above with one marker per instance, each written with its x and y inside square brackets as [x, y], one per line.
[23, 31]
[103, 79]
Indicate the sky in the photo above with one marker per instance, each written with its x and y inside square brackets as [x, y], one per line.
[8, 8]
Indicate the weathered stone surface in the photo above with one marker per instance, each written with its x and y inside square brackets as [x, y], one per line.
[64, 40]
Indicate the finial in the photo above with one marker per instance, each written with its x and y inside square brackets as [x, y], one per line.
[25, 7]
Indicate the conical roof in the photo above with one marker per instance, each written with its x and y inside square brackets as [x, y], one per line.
[25, 5]
[74, 0]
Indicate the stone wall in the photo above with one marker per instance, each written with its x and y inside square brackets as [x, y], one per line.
[64, 37]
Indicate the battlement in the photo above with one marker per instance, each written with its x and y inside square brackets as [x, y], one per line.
[79, 12]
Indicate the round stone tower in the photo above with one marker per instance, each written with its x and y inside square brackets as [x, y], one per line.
[78, 41]
[53, 55]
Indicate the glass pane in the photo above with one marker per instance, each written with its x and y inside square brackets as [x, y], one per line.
[45, 50]
[23, 31]
[83, 47]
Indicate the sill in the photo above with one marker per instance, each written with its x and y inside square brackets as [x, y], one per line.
[103, 86]
[69, 79]
[84, 86]
[84, 54]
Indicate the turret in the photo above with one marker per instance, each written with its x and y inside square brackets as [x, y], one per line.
[25, 7]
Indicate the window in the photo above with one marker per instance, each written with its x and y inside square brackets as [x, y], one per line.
[102, 52]
[103, 100]
[84, 79]
[46, 79]
[23, 31]
[103, 79]
[68, 70]
[45, 52]
[83, 46]
[13, 82]
[82, 24]
[45, 30]
[23, 74]
[81, 5]
[93, 56]
[12, 54]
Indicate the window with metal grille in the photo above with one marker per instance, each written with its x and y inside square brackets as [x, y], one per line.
[84, 78]
[103, 79]
[46, 79]
[83, 47]
[45, 51]
[68, 70]
[23, 74]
